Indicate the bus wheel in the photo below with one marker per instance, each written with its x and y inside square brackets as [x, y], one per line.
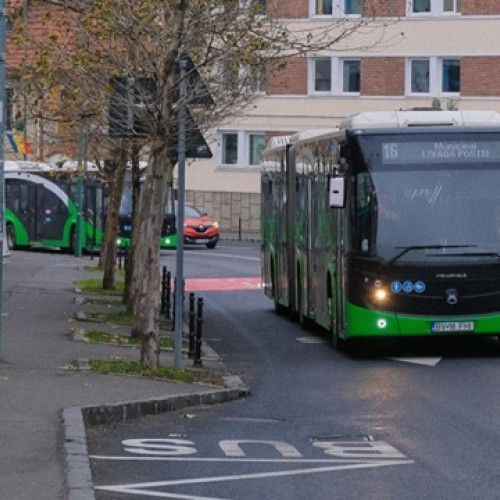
[304, 321]
[72, 241]
[11, 237]
[338, 343]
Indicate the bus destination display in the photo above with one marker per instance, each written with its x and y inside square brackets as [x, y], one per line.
[440, 152]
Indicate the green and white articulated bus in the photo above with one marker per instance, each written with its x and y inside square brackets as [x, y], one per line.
[41, 211]
[388, 226]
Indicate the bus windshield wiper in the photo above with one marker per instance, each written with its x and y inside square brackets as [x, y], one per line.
[405, 250]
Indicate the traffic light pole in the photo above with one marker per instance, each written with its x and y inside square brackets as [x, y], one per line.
[2, 153]
[181, 175]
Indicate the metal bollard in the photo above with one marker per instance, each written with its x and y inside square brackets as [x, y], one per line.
[199, 324]
[191, 330]
[163, 299]
[173, 305]
[173, 310]
[120, 253]
[169, 295]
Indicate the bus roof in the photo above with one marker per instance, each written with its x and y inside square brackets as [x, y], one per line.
[313, 135]
[27, 166]
[385, 119]
[278, 142]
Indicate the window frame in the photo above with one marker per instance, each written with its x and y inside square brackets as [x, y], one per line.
[338, 8]
[223, 153]
[342, 64]
[243, 148]
[337, 65]
[436, 76]
[436, 9]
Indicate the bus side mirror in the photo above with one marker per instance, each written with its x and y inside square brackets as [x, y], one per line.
[336, 197]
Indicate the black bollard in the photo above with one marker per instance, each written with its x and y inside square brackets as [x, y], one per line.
[173, 305]
[199, 325]
[163, 300]
[168, 295]
[191, 331]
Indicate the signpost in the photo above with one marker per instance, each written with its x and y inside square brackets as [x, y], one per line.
[2, 155]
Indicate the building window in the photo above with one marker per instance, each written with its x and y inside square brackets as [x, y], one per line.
[257, 143]
[334, 75]
[453, 6]
[433, 76]
[352, 7]
[420, 76]
[450, 75]
[337, 8]
[323, 7]
[229, 148]
[351, 75]
[434, 7]
[322, 75]
[419, 6]
[242, 148]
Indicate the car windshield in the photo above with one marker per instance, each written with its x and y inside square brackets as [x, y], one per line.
[189, 211]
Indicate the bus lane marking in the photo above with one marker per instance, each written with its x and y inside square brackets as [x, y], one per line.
[349, 455]
[222, 284]
[139, 488]
[427, 361]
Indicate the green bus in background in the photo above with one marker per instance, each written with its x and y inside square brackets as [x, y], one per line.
[168, 238]
[388, 226]
[41, 211]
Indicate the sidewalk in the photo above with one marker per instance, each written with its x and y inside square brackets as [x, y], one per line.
[43, 405]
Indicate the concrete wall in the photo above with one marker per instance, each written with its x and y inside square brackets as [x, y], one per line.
[237, 213]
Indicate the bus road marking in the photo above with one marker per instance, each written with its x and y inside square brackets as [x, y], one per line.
[348, 455]
[142, 488]
[427, 361]
[312, 340]
[222, 284]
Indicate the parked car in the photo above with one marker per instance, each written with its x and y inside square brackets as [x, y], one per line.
[199, 228]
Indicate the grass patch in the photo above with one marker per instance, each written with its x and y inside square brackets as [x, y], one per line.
[103, 301]
[110, 338]
[117, 317]
[94, 286]
[187, 375]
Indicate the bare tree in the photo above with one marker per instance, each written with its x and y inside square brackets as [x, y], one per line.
[139, 44]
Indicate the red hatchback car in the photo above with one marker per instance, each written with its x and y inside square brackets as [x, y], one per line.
[200, 228]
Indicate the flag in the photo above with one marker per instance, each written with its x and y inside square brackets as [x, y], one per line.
[18, 139]
[12, 142]
[27, 147]
[19, 143]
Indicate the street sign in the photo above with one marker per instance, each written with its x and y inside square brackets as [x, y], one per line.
[133, 99]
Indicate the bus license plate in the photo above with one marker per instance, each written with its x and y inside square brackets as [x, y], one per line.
[452, 326]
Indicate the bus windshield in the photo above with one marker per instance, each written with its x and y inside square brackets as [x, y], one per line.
[427, 210]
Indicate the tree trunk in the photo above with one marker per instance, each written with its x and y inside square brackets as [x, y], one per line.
[146, 273]
[136, 191]
[112, 222]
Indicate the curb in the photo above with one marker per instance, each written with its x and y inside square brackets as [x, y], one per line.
[78, 472]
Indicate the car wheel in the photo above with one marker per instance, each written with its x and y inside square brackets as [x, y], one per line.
[211, 244]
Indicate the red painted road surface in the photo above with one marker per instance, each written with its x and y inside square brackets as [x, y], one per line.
[221, 284]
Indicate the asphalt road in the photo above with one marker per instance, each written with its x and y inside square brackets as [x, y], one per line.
[392, 421]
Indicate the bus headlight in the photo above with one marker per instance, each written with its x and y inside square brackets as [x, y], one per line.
[380, 294]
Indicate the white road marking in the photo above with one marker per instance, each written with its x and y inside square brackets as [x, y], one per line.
[140, 488]
[312, 340]
[427, 361]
